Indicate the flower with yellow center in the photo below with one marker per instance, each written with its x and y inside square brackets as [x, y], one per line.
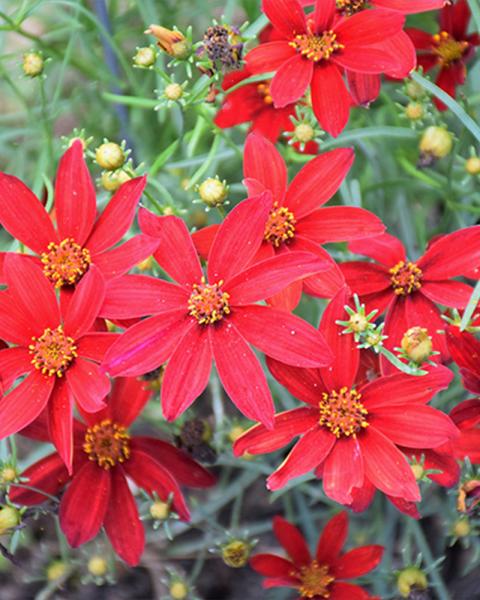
[280, 226]
[316, 47]
[53, 351]
[315, 580]
[448, 49]
[406, 278]
[65, 263]
[208, 303]
[342, 412]
[107, 444]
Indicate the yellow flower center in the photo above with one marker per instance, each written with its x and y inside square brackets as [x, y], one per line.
[315, 580]
[447, 48]
[314, 46]
[208, 303]
[53, 351]
[280, 227]
[350, 7]
[406, 278]
[263, 90]
[107, 443]
[65, 263]
[342, 412]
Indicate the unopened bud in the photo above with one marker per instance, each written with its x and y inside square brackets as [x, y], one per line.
[418, 471]
[436, 143]
[145, 57]
[110, 156]
[461, 528]
[9, 518]
[472, 165]
[358, 322]
[97, 566]
[56, 569]
[33, 64]
[159, 510]
[213, 192]
[414, 90]
[112, 180]
[171, 42]
[417, 344]
[178, 590]
[409, 579]
[414, 111]
[173, 91]
[304, 133]
[8, 475]
[236, 553]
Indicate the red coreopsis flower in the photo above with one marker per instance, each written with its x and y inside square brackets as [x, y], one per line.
[202, 318]
[105, 456]
[56, 348]
[408, 290]
[450, 49]
[321, 575]
[80, 240]
[298, 222]
[466, 416]
[351, 433]
[317, 48]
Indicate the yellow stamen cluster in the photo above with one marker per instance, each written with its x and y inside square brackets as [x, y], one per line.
[53, 351]
[447, 48]
[316, 47]
[263, 90]
[315, 580]
[65, 263]
[280, 227]
[342, 412]
[107, 443]
[350, 7]
[208, 303]
[406, 278]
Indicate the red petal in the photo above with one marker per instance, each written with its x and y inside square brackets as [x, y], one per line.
[24, 403]
[32, 292]
[176, 253]
[271, 565]
[238, 238]
[292, 540]
[178, 463]
[364, 88]
[285, 15]
[358, 562]
[386, 466]
[153, 478]
[287, 425]
[282, 336]
[452, 255]
[332, 109]
[339, 224]
[448, 293]
[140, 295]
[241, 374]
[348, 591]
[421, 39]
[116, 262]
[304, 384]
[13, 363]
[414, 426]
[333, 538]
[88, 384]
[401, 50]
[465, 351]
[268, 57]
[23, 215]
[324, 13]
[15, 326]
[48, 474]
[367, 28]
[94, 345]
[327, 283]
[60, 422]
[454, 19]
[289, 298]
[385, 249]
[408, 7]
[203, 239]
[85, 304]
[146, 345]
[263, 162]
[310, 451]
[187, 372]
[127, 399]
[80, 520]
[271, 122]
[122, 523]
[318, 181]
[343, 470]
[291, 80]
[366, 278]
[75, 202]
[117, 217]
[271, 276]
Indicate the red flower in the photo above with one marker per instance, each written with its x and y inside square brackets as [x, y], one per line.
[450, 49]
[105, 456]
[298, 222]
[315, 51]
[407, 7]
[464, 349]
[409, 290]
[55, 346]
[196, 321]
[323, 575]
[467, 418]
[80, 240]
[351, 433]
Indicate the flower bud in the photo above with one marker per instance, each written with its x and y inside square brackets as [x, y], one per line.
[304, 133]
[468, 495]
[409, 579]
[435, 143]
[213, 192]
[235, 432]
[159, 510]
[173, 91]
[461, 528]
[173, 43]
[178, 590]
[9, 518]
[417, 344]
[472, 165]
[236, 553]
[414, 90]
[33, 64]
[418, 471]
[112, 180]
[358, 323]
[145, 57]
[414, 111]
[97, 566]
[110, 156]
[56, 570]
[8, 474]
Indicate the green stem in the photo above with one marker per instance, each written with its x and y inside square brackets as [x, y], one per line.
[424, 548]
